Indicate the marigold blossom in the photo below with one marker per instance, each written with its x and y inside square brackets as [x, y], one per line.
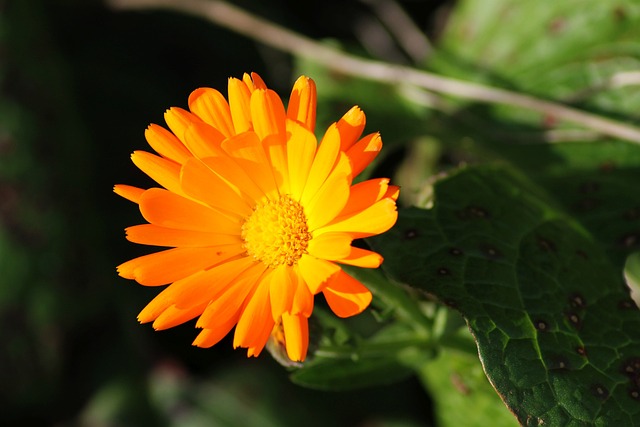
[256, 214]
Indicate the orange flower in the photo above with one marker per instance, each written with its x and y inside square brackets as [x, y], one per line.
[256, 214]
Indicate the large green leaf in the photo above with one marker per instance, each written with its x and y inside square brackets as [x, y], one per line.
[557, 333]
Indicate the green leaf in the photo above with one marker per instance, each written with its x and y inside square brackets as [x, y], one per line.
[557, 333]
[461, 393]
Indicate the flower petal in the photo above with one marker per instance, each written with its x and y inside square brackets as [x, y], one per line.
[211, 336]
[235, 176]
[362, 258]
[301, 148]
[150, 234]
[303, 298]
[248, 153]
[296, 336]
[346, 296]
[129, 192]
[166, 144]
[365, 194]
[276, 150]
[239, 103]
[315, 272]
[174, 316]
[376, 219]
[364, 151]
[281, 290]
[255, 323]
[267, 113]
[211, 106]
[178, 120]
[203, 140]
[331, 197]
[330, 246]
[302, 103]
[326, 157]
[202, 183]
[350, 127]
[164, 172]
[166, 209]
[167, 266]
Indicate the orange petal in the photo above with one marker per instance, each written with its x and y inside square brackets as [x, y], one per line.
[239, 103]
[211, 336]
[128, 192]
[303, 298]
[165, 267]
[330, 246]
[365, 194]
[232, 298]
[174, 316]
[393, 192]
[248, 153]
[346, 296]
[200, 182]
[211, 106]
[376, 219]
[364, 151]
[235, 177]
[296, 336]
[302, 103]
[326, 157]
[276, 150]
[166, 209]
[267, 113]
[255, 80]
[166, 144]
[179, 120]
[203, 140]
[316, 272]
[331, 197]
[362, 258]
[164, 172]
[301, 149]
[282, 289]
[350, 127]
[150, 234]
[255, 319]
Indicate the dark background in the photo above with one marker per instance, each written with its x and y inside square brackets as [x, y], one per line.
[79, 84]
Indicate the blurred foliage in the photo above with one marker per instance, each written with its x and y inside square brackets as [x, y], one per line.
[516, 201]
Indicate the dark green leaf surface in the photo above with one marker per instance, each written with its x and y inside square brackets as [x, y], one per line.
[557, 334]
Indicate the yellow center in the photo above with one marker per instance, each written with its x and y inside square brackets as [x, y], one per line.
[276, 233]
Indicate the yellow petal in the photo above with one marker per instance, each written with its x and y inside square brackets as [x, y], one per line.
[129, 192]
[281, 291]
[324, 161]
[350, 127]
[296, 336]
[365, 194]
[201, 183]
[364, 151]
[164, 172]
[203, 140]
[362, 258]
[330, 246]
[301, 149]
[276, 150]
[346, 296]
[239, 103]
[247, 151]
[211, 106]
[166, 209]
[376, 219]
[331, 197]
[168, 266]
[150, 234]
[316, 272]
[179, 120]
[166, 144]
[267, 113]
[302, 103]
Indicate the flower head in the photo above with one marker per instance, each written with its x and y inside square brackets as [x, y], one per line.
[256, 214]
